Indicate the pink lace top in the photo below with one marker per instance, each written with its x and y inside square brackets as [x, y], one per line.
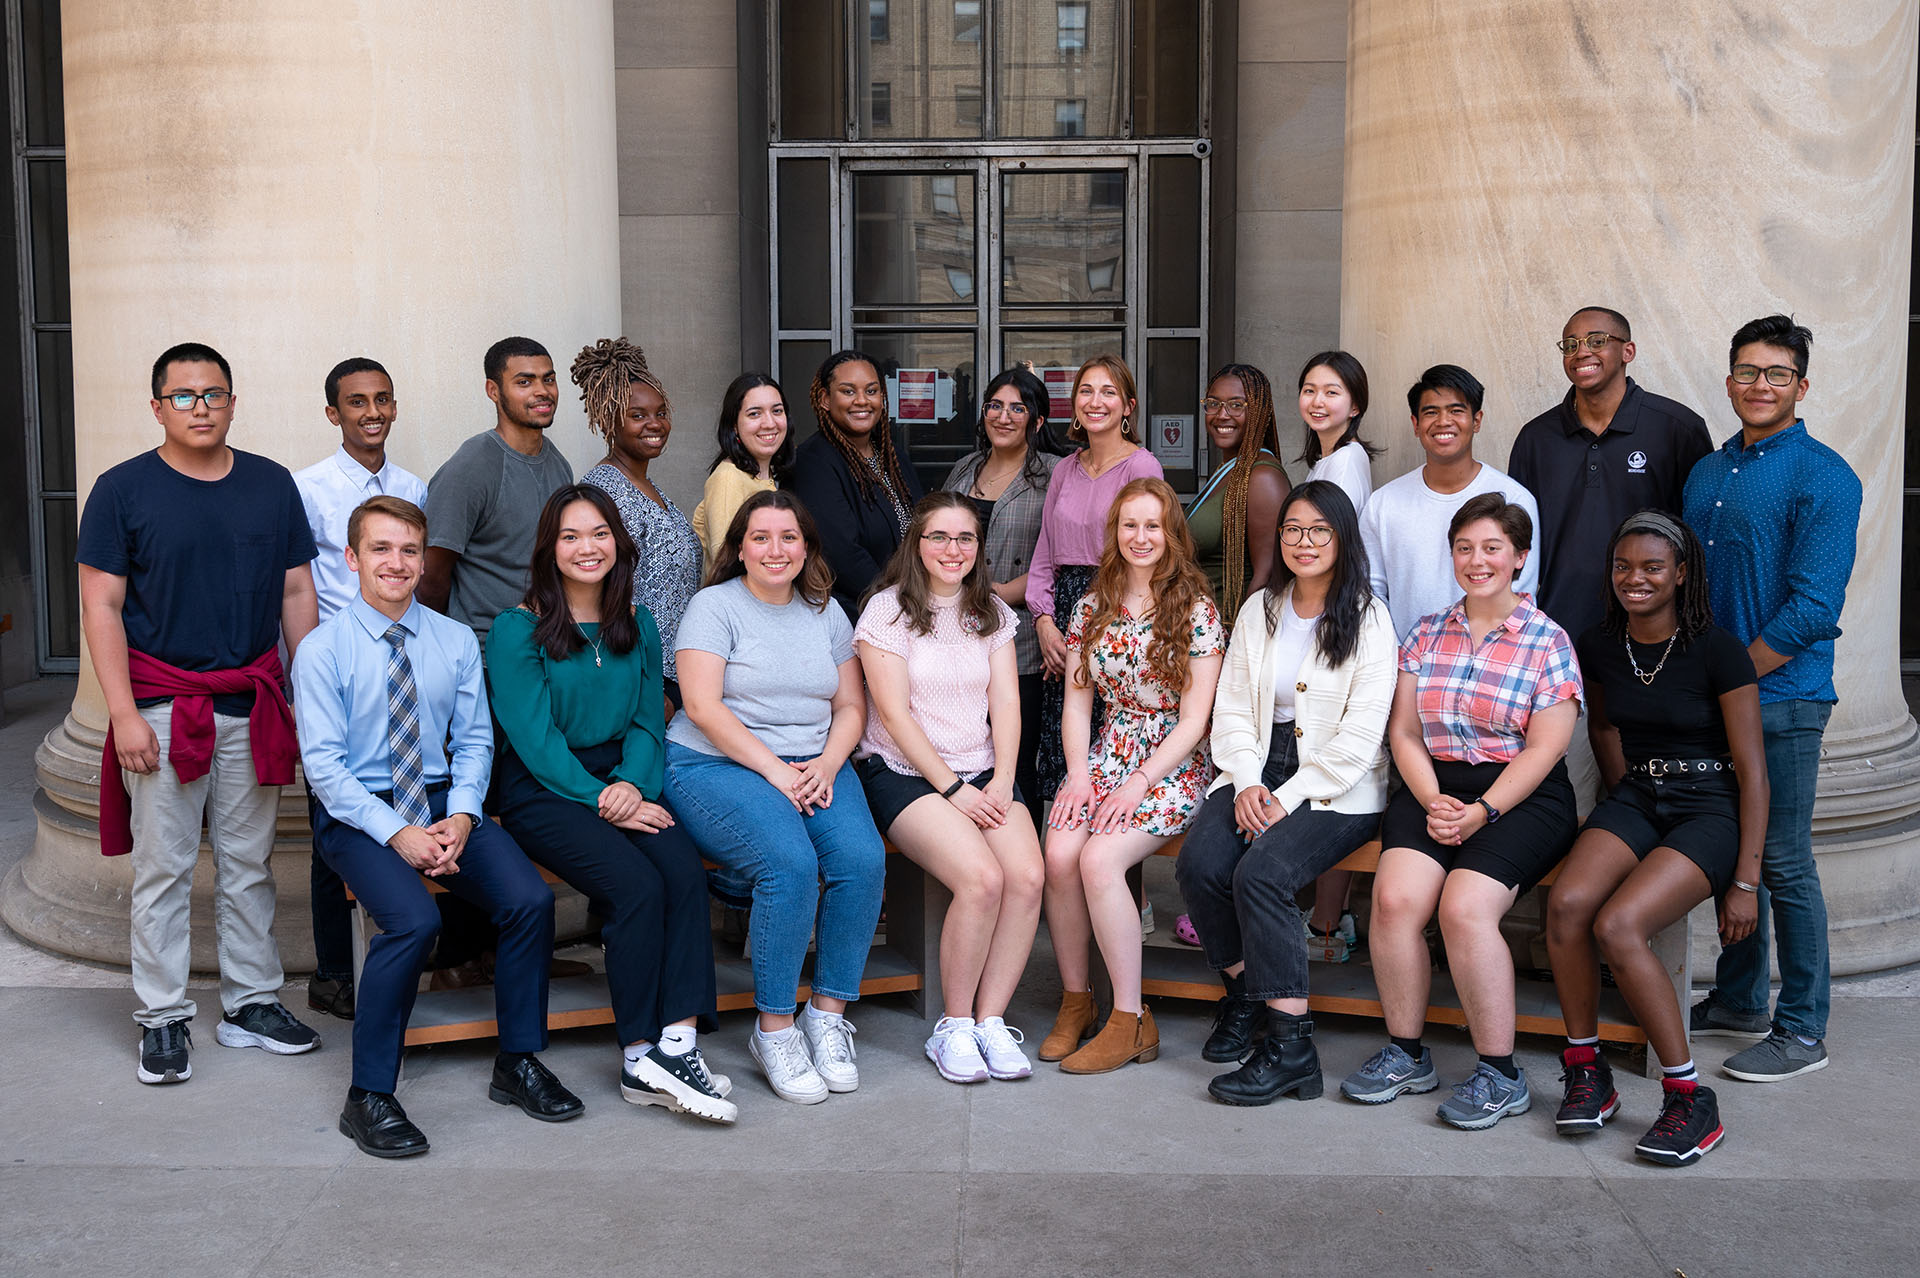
[947, 674]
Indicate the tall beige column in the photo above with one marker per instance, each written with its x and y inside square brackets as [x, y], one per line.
[1509, 161]
[296, 184]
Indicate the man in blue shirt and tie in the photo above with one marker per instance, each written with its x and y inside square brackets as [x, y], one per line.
[399, 803]
[1778, 514]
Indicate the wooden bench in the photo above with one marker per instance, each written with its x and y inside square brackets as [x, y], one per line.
[899, 965]
[1348, 988]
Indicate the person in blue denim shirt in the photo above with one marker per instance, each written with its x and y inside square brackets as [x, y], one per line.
[1779, 513]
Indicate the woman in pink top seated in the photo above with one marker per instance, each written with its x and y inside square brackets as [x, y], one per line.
[1073, 529]
[937, 761]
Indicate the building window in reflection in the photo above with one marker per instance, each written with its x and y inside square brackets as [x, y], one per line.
[966, 101]
[966, 21]
[1070, 118]
[1070, 20]
[961, 282]
[1100, 275]
[946, 197]
[880, 102]
[877, 20]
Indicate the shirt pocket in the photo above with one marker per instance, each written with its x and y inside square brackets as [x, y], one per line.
[255, 563]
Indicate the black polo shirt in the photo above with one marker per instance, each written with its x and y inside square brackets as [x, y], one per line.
[1586, 484]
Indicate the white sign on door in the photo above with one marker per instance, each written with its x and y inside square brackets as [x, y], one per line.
[1171, 438]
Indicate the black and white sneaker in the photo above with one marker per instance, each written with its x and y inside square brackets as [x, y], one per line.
[269, 1026]
[1590, 1096]
[1688, 1129]
[680, 1083]
[163, 1053]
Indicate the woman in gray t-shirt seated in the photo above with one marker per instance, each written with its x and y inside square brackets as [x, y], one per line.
[757, 770]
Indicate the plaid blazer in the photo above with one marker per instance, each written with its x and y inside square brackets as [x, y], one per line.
[1011, 537]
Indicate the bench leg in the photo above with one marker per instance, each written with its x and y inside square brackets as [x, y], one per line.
[916, 909]
[1673, 947]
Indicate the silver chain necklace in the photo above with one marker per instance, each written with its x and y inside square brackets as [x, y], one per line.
[595, 642]
[1646, 676]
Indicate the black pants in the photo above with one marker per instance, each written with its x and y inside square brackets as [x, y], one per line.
[1241, 895]
[650, 888]
[1025, 776]
[332, 915]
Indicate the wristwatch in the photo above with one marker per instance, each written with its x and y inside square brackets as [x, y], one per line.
[1493, 813]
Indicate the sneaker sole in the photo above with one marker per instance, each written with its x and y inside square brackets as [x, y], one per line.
[228, 1035]
[1013, 1077]
[1747, 1077]
[1725, 1031]
[710, 1108]
[1480, 1122]
[1581, 1126]
[1418, 1086]
[166, 1076]
[1670, 1158]
[981, 1077]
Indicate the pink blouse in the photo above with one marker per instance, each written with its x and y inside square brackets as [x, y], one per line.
[1073, 524]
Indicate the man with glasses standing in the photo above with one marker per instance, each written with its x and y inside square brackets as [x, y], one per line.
[1778, 514]
[193, 567]
[1605, 451]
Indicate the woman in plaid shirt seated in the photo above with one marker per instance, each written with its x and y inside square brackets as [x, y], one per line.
[1488, 695]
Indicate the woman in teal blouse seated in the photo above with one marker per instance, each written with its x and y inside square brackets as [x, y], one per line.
[575, 677]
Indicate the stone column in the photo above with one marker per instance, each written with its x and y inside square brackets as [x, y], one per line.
[1509, 161]
[295, 185]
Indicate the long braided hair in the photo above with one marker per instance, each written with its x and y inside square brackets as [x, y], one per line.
[1178, 586]
[603, 372]
[1258, 432]
[883, 454]
[1692, 609]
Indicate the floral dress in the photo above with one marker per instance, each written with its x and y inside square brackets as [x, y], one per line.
[1141, 711]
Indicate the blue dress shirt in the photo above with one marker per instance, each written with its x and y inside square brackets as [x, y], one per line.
[340, 706]
[1778, 522]
[330, 489]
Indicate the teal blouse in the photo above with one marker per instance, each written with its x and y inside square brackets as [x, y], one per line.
[548, 709]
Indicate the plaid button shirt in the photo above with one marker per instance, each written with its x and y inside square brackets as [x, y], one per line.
[1476, 701]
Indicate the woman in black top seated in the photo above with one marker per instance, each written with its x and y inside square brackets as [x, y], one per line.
[1674, 713]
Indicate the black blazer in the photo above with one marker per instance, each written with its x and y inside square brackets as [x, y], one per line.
[859, 535]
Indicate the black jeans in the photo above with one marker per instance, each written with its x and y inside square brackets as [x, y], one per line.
[1241, 895]
[650, 888]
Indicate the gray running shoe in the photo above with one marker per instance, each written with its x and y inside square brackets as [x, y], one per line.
[1485, 1097]
[1781, 1055]
[1707, 1019]
[1387, 1073]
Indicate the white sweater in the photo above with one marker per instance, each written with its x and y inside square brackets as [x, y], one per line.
[1340, 715]
[1409, 560]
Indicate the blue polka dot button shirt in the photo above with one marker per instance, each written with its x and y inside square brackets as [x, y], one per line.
[1779, 522]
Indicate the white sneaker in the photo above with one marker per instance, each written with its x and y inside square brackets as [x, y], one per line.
[954, 1051]
[831, 1043]
[783, 1059]
[680, 1083]
[1000, 1045]
[1146, 920]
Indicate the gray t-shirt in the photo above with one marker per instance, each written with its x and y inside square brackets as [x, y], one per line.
[483, 504]
[783, 666]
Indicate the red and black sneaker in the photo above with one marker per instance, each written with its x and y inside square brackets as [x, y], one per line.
[1689, 1126]
[1591, 1099]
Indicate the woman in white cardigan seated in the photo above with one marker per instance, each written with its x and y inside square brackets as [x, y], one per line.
[1299, 723]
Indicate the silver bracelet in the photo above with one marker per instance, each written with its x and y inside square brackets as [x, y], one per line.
[1746, 887]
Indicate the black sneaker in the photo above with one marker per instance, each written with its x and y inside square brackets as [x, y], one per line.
[1689, 1126]
[1591, 1099]
[269, 1026]
[680, 1083]
[163, 1053]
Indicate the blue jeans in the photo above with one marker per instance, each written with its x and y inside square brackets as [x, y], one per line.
[767, 850]
[1789, 897]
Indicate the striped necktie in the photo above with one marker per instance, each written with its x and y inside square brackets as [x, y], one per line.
[403, 733]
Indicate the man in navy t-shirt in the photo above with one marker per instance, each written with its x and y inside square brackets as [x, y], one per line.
[193, 567]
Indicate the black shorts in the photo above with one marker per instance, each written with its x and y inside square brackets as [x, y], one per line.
[1517, 850]
[890, 793]
[1698, 817]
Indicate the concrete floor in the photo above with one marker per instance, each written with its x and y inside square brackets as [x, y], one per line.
[240, 1171]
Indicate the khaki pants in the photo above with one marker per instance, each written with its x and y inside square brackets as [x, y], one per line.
[239, 814]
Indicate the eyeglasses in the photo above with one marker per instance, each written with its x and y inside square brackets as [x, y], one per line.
[939, 540]
[1235, 406]
[1592, 341]
[1015, 411]
[1748, 374]
[218, 399]
[1312, 534]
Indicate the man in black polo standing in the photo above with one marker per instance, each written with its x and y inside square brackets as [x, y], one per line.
[1608, 449]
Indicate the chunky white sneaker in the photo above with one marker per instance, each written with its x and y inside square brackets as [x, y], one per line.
[783, 1059]
[955, 1053]
[831, 1043]
[1000, 1045]
[680, 1083]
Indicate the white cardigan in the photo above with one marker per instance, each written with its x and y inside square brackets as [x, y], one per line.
[1340, 714]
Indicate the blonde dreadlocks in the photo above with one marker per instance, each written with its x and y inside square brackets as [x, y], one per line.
[603, 372]
[1257, 432]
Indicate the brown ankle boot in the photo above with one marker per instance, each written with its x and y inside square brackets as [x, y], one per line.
[1072, 1025]
[1126, 1037]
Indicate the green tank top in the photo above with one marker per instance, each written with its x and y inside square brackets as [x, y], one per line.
[1205, 519]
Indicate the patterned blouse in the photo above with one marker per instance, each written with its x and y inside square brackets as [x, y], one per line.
[1477, 700]
[668, 569]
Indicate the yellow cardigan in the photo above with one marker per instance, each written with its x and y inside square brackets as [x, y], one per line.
[1340, 715]
[728, 488]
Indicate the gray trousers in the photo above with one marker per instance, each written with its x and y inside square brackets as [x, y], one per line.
[239, 814]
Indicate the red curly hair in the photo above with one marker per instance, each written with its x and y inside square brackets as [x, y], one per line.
[1178, 585]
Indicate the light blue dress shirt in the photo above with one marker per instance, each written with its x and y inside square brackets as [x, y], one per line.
[340, 707]
[330, 490]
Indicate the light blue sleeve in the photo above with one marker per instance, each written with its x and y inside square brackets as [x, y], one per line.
[470, 733]
[320, 706]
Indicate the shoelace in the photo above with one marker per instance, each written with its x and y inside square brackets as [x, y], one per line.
[1379, 1065]
[1223, 1010]
[1476, 1087]
[837, 1038]
[792, 1051]
[1583, 1082]
[1675, 1115]
[997, 1032]
[697, 1066]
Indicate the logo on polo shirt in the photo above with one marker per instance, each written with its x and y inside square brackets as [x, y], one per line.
[1636, 462]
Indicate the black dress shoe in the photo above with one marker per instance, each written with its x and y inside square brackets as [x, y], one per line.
[380, 1127]
[335, 998]
[525, 1082]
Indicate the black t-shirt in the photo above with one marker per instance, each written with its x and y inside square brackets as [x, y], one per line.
[1677, 716]
[205, 561]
